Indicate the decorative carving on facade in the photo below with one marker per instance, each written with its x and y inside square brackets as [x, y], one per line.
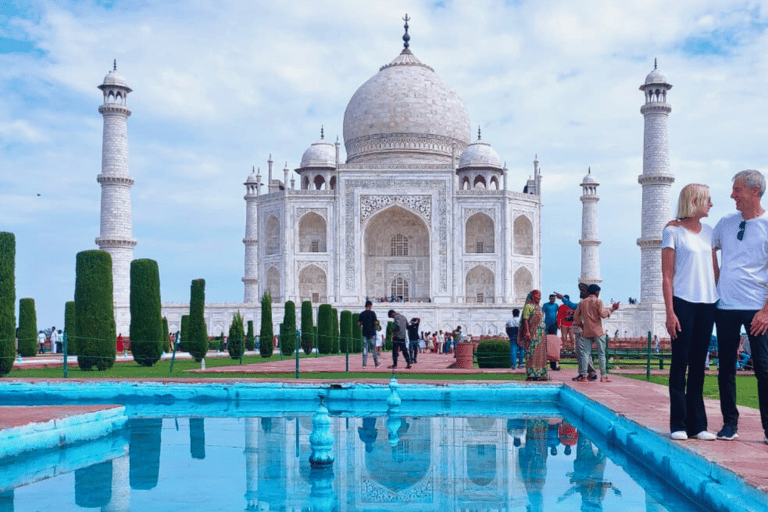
[323, 212]
[490, 212]
[417, 204]
[301, 265]
[469, 265]
[374, 492]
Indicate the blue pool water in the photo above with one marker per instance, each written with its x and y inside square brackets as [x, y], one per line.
[247, 447]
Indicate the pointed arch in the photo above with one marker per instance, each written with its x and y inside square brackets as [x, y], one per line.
[523, 232]
[312, 233]
[479, 234]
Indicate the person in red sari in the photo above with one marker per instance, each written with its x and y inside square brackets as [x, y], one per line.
[533, 337]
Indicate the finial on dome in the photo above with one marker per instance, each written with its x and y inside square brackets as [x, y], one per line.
[589, 170]
[322, 134]
[114, 65]
[406, 37]
[654, 63]
[478, 133]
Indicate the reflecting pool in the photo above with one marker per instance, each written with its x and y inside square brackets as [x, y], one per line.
[395, 459]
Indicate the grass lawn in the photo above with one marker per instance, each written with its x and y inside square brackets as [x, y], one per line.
[746, 387]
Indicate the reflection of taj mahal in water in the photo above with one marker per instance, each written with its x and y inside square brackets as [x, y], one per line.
[418, 211]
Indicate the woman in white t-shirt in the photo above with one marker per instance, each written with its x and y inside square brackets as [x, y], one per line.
[690, 294]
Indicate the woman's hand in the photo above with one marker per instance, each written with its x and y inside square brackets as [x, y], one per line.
[673, 325]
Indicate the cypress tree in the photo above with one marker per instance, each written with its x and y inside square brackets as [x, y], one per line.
[345, 332]
[267, 333]
[146, 328]
[324, 329]
[198, 331]
[335, 325]
[357, 334]
[236, 344]
[94, 310]
[69, 327]
[249, 342]
[184, 334]
[27, 328]
[307, 328]
[288, 330]
[7, 302]
[166, 336]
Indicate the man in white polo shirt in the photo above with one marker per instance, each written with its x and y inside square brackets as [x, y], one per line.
[742, 284]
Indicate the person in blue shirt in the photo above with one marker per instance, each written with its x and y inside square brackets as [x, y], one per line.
[550, 314]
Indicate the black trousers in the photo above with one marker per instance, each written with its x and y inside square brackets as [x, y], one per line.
[689, 350]
[399, 345]
[729, 323]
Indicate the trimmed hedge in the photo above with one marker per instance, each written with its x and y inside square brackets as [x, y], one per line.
[307, 327]
[236, 343]
[388, 339]
[7, 302]
[357, 334]
[184, 334]
[288, 330]
[345, 332]
[198, 331]
[27, 328]
[493, 353]
[146, 330]
[325, 329]
[267, 333]
[166, 336]
[94, 310]
[335, 326]
[250, 343]
[69, 327]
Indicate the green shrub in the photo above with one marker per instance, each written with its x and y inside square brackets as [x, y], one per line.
[307, 327]
[94, 311]
[69, 328]
[493, 353]
[184, 334]
[7, 302]
[146, 330]
[27, 328]
[236, 343]
[166, 336]
[198, 331]
[357, 334]
[335, 326]
[288, 330]
[325, 329]
[345, 332]
[266, 335]
[388, 339]
[250, 343]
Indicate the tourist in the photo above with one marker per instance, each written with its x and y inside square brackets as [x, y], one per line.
[367, 320]
[533, 336]
[589, 316]
[399, 332]
[413, 338]
[379, 337]
[41, 342]
[688, 283]
[582, 354]
[550, 314]
[744, 354]
[742, 288]
[439, 342]
[54, 340]
[513, 328]
[565, 323]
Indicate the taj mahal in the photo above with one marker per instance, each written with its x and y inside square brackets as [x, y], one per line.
[420, 212]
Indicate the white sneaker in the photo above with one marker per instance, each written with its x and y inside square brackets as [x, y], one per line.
[680, 435]
[706, 436]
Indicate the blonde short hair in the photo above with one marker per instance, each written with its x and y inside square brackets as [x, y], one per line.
[690, 199]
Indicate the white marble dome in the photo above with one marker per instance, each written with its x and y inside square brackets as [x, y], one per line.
[655, 77]
[479, 154]
[115, 78]
[589, 179]
[404, 113]
[319, 154]
[252, 177]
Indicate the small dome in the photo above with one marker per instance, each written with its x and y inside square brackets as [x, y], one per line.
[252, 177]
[479, 154]
[655, 77]
[319, 154]
[115, 78]
[589, 179]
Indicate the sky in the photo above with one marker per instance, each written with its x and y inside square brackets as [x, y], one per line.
[220, 86]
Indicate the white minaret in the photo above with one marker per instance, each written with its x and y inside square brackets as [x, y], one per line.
[656, 181]
[590, 241]
[116, 235]
[251, 277]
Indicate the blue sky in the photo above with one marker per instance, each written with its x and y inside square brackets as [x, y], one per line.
[219, 86]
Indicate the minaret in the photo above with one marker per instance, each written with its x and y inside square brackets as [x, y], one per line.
[590, 241]
[251, 277]
[116, 235]
[656, 181]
